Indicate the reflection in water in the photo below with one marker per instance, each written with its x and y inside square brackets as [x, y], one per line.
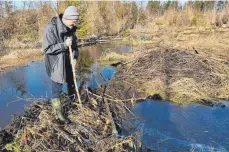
[100, 76]
[165, 126]
[17, 81]
[16, 86]
[124, 48]
[89, 70]
[83, 64]
[32, 81]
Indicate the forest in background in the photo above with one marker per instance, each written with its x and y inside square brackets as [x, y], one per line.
[22, 25]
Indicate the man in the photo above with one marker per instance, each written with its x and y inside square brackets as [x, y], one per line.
[58, 36]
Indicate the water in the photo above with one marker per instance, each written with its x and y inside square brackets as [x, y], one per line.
[165, 126]
[21, 86]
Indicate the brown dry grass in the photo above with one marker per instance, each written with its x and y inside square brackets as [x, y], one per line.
[177, 75]
[12, 58]
[190, 16]
[208, 41]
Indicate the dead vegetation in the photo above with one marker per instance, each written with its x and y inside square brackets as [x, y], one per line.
[176, 75]
[15, 58]
[206, 40]
[90, 130]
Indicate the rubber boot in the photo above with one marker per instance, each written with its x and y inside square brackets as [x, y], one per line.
[56, 104]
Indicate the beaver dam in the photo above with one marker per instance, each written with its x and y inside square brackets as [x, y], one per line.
[180, 76]
[90, 130]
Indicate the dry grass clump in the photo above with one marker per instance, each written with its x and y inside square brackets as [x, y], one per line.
[180, 76]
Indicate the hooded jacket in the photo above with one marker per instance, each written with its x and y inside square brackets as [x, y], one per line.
[56, 51]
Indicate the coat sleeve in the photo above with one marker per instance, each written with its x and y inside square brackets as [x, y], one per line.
[49, 44]
[75, 47]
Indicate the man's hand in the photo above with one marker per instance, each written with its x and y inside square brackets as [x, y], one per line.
[68, 41]
[74, 61]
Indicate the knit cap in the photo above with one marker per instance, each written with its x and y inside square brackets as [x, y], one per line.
[71, 13]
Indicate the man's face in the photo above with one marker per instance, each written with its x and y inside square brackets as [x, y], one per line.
[71, 23]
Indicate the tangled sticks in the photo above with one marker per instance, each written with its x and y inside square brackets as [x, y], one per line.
[90, 130]
[181, 76]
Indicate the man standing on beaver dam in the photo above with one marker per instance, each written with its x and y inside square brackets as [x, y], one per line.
[58, 36]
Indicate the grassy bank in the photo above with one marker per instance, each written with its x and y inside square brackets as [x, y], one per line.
[17, 57]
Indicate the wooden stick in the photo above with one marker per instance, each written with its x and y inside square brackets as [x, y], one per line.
[110, 118]
[74, 75]
[113, 127]
[115, 100]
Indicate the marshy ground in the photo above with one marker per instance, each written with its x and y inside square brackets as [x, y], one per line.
[181, 65]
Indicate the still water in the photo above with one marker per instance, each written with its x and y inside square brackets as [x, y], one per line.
[165, 126]
[21, 86]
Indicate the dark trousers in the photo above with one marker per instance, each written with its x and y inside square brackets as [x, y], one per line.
[57, 87]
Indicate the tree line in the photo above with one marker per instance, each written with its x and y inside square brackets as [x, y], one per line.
[25, 23]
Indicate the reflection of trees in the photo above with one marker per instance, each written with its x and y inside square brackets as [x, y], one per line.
[83, 65]
[86, 70]
[17, 79]
[93, 51]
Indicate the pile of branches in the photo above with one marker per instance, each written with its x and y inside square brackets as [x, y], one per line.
[178, 75]
[95, 126]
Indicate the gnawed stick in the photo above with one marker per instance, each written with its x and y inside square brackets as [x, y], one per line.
[74, 75]
[113, 127]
